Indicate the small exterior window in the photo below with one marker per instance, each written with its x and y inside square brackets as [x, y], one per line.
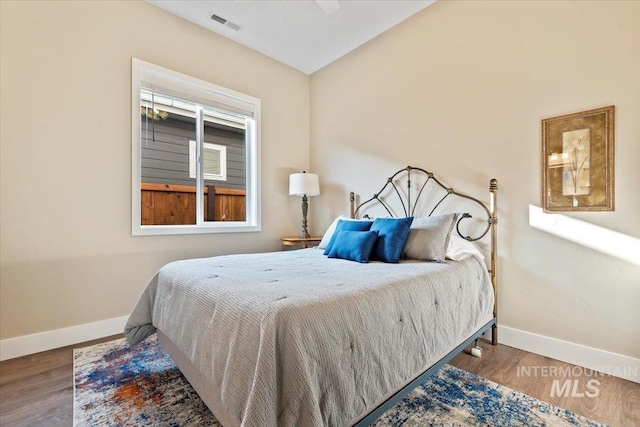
[195, 155]
[214, 159]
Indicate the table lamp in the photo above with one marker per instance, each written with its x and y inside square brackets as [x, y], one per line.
[304, 184]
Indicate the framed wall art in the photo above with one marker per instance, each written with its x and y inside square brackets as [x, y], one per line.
[577, 161]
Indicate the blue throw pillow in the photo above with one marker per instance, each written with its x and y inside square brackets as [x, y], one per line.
[353, 245]
[347, 226]
[392, 233]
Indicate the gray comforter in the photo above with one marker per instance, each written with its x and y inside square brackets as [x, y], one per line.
[296, 339]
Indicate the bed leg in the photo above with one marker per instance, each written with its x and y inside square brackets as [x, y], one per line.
[494, 334]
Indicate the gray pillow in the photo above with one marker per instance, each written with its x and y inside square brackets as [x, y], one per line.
[428, 238]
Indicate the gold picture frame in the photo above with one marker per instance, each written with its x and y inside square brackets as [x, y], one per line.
[577, 161]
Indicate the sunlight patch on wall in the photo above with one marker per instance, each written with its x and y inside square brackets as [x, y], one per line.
[583, 233]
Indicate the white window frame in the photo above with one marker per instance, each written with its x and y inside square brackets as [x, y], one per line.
[222, 176]
[202, 89]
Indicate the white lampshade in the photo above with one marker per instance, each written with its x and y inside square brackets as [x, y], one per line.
[304, 183]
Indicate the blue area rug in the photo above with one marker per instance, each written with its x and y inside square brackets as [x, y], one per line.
[118, 386]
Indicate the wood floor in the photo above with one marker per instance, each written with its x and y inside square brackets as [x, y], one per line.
[37, 390]
[617, 402]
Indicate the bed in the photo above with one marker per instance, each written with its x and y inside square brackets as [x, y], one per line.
[295, 338]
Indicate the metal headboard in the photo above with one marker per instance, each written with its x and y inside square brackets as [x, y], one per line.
[409, 207]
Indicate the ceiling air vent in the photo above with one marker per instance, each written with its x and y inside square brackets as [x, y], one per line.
[221, 20]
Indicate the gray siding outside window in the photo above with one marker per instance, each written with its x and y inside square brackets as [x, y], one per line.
[164, 153]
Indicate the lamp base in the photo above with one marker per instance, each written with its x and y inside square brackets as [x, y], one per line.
[304, 234]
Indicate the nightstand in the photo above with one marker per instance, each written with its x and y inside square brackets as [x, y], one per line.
[299, 242]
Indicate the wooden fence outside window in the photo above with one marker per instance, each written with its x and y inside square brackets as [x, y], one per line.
[166, 204]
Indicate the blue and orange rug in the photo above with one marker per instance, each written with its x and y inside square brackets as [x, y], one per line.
[115, 385]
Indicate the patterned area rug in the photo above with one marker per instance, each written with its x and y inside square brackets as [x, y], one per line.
[118, 386]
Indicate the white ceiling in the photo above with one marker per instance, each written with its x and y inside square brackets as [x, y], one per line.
[304, 34]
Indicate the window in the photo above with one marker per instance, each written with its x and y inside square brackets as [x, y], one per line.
[214, 158]
[195, 151]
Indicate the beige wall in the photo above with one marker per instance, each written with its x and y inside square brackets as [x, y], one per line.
[460, 89]
[67, 256]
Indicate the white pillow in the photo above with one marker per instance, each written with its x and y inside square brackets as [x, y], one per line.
[460, 248]
[326, 238]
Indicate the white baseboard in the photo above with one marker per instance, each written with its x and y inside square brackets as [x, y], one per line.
[35, 343]
[617, 365]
